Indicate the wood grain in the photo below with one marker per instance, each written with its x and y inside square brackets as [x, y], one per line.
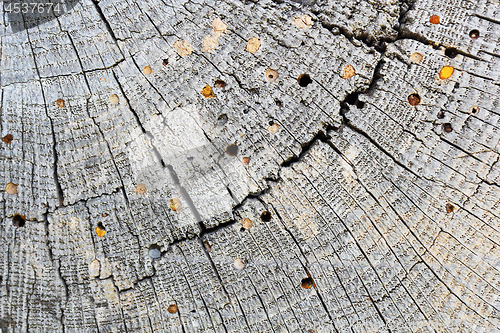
[369, 210]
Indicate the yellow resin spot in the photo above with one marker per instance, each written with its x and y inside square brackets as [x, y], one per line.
[100, 232]
[175, 204]
[446, 72]
[207, 92]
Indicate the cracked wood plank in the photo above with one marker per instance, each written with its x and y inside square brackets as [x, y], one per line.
[382, 216]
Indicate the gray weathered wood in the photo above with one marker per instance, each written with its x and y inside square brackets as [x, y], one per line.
[381, 215]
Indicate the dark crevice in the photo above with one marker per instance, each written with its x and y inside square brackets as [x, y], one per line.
[297, 244]
[221, 320]
[128, 103]
[404, 8]
[489, 19]
[59, 191]
[28, 299]
[320, 136]
[60, 195]
[106, 22]
[353, 98]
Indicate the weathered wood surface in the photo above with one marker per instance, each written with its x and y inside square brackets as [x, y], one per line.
[392, 210]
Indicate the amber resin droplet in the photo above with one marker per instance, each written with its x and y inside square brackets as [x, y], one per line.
[207, 92]
[446, 72]
[434, 19]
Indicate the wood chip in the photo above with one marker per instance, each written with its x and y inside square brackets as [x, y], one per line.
[253, 45]
[11, 188]
[175, 204]
[434, 19]
[219, 27]
[147, 70]
[100, 232]
[208, 44]
[113, 99]
[416, 57]
[239, 264]
[348, 72]
[304, 21]
[246, 223]
[173, 308]
[274, 128]
[94, 268]
[140, 189]
[183, 48]
[8, 138]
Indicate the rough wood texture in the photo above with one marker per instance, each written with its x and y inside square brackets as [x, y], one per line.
[370, 187]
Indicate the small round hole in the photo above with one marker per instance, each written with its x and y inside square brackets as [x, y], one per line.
[440, 115]
[271, 123]
[165, 62]
[474, 109]
[242, 229]
[8, 138]
[352, 98]
[154, 251]
[414, 99]
[265, 216]
[307, 283]
[271, 75]
[279, 103]
[304, 80]
[18, 220]
[222, 120]
[232, 150]
[219, 84]
[451, 52]
[474, 34]
[447, 127]
[449, 208]
[100, 230]
[207, 245]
